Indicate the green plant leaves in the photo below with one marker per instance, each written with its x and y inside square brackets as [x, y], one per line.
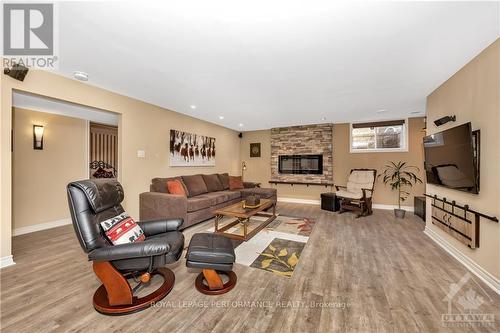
[399, 175]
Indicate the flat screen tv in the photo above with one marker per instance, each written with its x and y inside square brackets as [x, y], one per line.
[450, 159]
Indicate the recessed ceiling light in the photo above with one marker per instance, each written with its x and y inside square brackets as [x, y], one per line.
[240, 125]
[81, 76]
[192, 107]
[221, 117]
[382, 111]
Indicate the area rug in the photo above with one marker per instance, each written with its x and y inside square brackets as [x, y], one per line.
[280, 257]
[276, 248]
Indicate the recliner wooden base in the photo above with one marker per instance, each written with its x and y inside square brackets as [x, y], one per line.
[214, 285]
[115, 296]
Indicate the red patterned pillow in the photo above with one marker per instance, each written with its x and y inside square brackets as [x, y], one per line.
[122, 229]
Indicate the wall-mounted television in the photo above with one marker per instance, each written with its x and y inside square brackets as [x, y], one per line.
[451, 159]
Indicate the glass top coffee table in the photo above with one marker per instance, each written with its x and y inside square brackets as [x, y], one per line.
[242, 215]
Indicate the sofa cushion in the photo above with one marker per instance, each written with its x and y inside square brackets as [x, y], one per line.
[224, 179]
[199, 202]
[359, 179]
[232, 194]
[222, 196]
[352, 195]
[263, 193]
[235, 183]
[195, 185]
[160, 184]
[213, 183]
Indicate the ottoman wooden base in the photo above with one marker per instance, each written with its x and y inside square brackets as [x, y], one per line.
[214, 284]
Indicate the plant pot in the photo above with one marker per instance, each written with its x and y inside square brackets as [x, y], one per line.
[399, 213]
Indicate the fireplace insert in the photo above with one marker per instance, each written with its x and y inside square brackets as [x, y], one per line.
[300, 164]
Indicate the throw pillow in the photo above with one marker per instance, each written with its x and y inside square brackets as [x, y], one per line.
[175, 187]
[235, 183]
[122, 229]
[224, 179]
[213, 183]
[103, 173]
[195, 185]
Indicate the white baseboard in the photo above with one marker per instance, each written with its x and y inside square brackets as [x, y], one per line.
[318, 202]
[6, 261]
[41, 226]
[490, 280]
[391, 207]
[299, 201]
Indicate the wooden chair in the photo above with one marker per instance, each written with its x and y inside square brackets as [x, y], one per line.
[357, 195]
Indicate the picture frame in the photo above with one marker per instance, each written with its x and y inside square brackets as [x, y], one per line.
[188, 149]
[255, 149]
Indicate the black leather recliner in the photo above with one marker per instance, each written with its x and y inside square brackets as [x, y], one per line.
[93, 201]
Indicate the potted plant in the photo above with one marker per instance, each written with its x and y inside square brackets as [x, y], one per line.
[400, 176]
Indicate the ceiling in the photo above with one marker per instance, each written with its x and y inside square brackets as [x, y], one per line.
[262, 64]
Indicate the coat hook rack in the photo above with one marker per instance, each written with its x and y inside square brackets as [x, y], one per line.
[465, 207]
[460, 222]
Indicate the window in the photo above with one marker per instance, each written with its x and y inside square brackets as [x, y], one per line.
[383, 136]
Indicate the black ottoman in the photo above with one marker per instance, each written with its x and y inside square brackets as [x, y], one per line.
[214, 254]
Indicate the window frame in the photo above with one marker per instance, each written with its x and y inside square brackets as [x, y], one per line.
[404, 140]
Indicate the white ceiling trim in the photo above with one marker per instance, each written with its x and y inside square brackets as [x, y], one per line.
[49, 105]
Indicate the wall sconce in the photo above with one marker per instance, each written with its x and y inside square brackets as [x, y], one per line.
[38, 137]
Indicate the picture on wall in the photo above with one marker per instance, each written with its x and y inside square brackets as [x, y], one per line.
[255, 149]
[187, 149]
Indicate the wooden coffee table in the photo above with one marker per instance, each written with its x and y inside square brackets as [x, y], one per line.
[242, 216]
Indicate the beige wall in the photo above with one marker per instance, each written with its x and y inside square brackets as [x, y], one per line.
[40, 176]
[142, 126]
[344, 161]
[259, 169]
[473, 94]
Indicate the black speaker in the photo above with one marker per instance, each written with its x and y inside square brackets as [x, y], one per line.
[17, 72]
[240, 135]
[444, 120]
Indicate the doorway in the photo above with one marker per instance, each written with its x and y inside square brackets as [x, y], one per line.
[103, 151]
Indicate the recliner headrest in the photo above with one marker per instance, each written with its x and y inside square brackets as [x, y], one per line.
[101, 193]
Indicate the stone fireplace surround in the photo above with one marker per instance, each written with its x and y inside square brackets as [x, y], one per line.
[298, 140]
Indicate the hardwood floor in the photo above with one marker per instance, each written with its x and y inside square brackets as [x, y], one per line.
[373, 274]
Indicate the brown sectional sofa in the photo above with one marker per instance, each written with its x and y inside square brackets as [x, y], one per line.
[205, 193]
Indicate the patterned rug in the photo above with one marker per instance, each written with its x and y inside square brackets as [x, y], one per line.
[280, 257]
[277, 248]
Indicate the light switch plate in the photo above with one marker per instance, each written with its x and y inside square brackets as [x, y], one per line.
[141, 154]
